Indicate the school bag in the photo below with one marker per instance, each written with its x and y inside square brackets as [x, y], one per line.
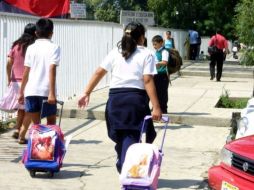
[174, 61]
[141, 168]
[45, 149]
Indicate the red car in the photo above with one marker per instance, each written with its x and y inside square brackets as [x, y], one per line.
[236, 170]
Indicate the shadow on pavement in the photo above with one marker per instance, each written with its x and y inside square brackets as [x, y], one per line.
[188, 113]
[178, 184]
[82, 141]
[63, 174]
[174, 127]
[68, 174]
[230, 80]
[94, 166]
[78, 127]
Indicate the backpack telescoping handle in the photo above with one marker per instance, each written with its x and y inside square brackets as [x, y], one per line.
[165, 119]
[61, 110]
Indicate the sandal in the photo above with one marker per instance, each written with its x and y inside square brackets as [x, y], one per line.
[15, 135]
[22, 141]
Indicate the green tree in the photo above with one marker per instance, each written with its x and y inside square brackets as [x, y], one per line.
[205, 16]
[202, 15]
[161, 13]
[109, 10]
[218, 14]
[90, 7]
[106, 13]
[245, 29]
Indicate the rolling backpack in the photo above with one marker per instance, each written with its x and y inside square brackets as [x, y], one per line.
[45, 150]
[141, 168]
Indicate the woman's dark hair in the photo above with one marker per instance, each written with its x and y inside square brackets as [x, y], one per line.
[44, 28]
[27, 38]
[132, 33]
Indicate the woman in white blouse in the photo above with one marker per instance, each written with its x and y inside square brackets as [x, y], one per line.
[132, 67]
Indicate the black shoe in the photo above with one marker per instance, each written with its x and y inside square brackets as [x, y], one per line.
[211, 78]
[218, 80]
[23, 141]
[15, 135]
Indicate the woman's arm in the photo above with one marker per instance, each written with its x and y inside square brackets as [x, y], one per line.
[23, 84]
[151, 91]
[97, 76]
[9, 68]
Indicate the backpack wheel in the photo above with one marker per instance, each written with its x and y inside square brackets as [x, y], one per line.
[32, 173]
[50, 174]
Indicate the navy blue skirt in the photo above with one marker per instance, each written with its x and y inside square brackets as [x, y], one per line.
[125, 110]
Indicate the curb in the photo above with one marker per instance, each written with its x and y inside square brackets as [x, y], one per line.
[225, 74]
[175, 118]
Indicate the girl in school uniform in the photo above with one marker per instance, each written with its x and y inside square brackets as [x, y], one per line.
[132, 68]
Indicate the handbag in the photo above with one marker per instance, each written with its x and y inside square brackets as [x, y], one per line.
[9, 102]
[212, 49]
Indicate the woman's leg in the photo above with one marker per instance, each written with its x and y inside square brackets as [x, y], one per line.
[20, 117]
[129, 137]
[24, 128]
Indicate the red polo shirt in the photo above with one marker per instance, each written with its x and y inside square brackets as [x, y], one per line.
[218, 40]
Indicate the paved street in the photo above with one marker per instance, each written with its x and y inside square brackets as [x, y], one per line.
[89, 162]
[191, 147]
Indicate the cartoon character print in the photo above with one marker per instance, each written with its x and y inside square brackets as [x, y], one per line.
[43, 146]
[139, 170]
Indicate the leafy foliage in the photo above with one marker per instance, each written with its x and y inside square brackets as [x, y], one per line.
[109, 14]
[226, 102]
[4, 126]
[202, 15]
[245, 28]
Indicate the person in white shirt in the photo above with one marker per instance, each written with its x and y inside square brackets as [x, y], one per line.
[132, 68]
[39, 79]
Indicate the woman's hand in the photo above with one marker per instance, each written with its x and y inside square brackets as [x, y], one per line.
[83, 101]
[21, 98]
[157, 114]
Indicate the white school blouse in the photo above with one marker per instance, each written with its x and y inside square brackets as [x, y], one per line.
[129, 73]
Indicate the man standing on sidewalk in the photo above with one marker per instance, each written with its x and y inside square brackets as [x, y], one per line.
[194, 44]
[217, 57]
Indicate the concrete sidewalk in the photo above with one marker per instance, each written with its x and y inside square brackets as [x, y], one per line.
[192, 96]
[90, 160]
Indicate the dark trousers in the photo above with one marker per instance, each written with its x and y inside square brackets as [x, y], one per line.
[125, 138]
[125, 112]
[217, 60]
[161, 82]
[193, 51]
